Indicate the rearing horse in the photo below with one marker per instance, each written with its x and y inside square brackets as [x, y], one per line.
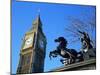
[70, 54]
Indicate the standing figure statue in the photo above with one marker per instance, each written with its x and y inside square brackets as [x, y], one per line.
[85, 39]
[87, 48]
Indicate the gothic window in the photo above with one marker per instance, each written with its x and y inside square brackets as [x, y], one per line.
[25, 70]
[26, 59]
[23, 60]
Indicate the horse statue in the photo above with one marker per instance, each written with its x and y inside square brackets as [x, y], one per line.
[69, 55]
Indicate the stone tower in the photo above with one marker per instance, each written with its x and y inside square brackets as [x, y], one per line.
[32, 53]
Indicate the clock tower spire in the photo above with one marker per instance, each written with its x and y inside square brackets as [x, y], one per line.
[32, 53]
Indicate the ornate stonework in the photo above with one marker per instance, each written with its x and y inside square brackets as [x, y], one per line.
[33, 50]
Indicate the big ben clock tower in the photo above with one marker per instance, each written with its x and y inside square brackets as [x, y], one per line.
[32, 53]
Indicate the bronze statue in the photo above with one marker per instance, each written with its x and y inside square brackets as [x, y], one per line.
[70, 55]
[85, 39]
[87, 49]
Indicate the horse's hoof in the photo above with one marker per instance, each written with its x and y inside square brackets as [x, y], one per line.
[62, 61]
[55, 56]
[65, 64]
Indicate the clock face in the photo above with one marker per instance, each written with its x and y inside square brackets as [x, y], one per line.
[28, 41]
[41, 44]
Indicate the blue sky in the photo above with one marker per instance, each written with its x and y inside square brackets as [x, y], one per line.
[54, 20]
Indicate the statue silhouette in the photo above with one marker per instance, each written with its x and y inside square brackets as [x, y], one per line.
[85, 39]
[69, 55]
[62, 43]
[87, 49]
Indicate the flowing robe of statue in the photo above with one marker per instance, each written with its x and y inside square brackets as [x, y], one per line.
[87, 49]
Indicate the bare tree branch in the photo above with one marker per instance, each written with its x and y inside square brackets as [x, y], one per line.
[80, 25]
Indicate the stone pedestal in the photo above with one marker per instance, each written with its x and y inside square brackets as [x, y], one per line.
[84, 65]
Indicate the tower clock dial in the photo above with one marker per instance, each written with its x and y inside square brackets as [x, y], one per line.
[28, 41]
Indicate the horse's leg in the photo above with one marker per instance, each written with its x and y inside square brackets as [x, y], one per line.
[61, 60]
[67, 61]
[50, 54]
[70, 59]
[64, 61]
[53, 54]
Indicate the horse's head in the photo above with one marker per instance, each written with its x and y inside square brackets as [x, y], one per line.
[60, 39]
